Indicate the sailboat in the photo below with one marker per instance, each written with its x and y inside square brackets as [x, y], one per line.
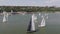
[5, 17]
[11, 11]
[39, 14]
[42, 23]
[31, 27]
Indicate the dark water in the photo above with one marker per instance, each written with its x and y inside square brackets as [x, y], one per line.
[18, 24]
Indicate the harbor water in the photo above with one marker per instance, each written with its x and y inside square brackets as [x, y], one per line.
[18, 24]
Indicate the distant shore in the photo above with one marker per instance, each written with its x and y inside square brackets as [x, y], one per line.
[28, 12]
[29, 9]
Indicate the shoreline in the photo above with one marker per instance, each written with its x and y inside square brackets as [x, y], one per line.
[27, 12]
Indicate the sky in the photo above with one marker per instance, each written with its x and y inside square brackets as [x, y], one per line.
[30, 3]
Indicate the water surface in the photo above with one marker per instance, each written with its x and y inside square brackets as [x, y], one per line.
[18, 24]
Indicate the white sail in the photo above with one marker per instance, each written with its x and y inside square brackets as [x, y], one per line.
[33, 24]
[35, 18]
[42, 22]
[4, 19]
[39, 14]
[11, 11]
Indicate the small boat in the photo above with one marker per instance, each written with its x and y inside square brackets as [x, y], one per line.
[5, 17]
[42, 23]
[39, 14]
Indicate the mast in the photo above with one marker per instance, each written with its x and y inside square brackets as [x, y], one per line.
[4, 17]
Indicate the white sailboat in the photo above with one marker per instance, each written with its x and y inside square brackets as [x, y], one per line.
[42, 22]
[11, 11]
[23, 13]
[39, 14]
[35, 18]
[31, 27]
[5, 17]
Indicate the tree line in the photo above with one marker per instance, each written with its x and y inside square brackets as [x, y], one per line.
[29, 9]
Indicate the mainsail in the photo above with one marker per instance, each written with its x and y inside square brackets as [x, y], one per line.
[31, 27]
[42, 23]
[5, 17]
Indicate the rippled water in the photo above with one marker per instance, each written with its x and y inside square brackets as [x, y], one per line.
[18, 24]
